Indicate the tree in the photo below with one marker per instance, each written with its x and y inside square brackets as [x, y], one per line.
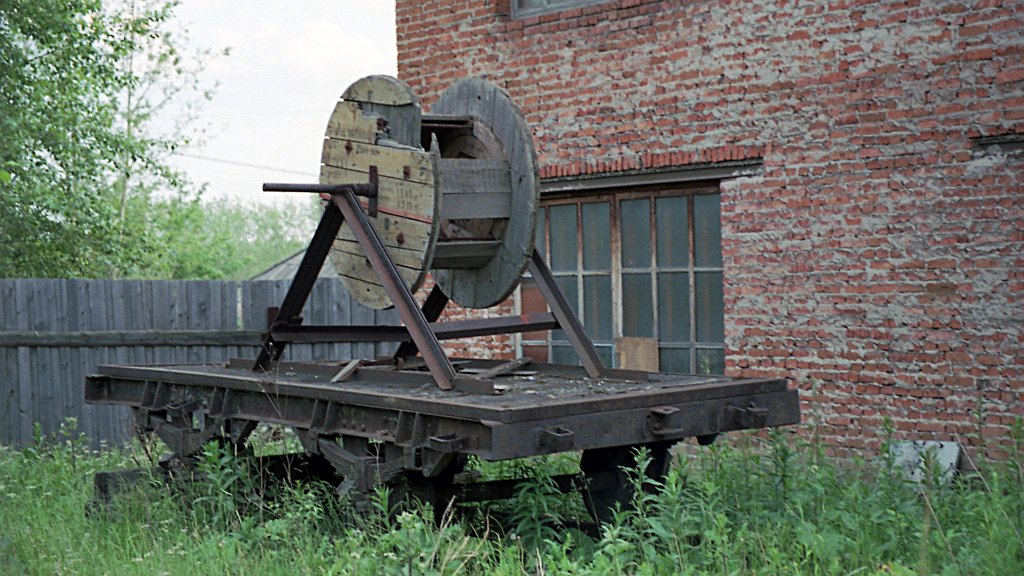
[227, 239]
[58, 78]
[85, 184]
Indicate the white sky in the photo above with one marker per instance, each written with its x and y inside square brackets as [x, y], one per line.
[289, 63]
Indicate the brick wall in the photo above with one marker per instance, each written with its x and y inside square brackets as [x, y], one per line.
[877, 261]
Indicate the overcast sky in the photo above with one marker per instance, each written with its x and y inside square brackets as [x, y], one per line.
[289, 63]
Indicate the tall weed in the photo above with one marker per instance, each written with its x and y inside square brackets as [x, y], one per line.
[756, 505]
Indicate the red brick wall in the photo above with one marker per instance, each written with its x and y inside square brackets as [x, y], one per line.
[877, 261]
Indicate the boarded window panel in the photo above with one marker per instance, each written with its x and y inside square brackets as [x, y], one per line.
[597, 240]
[637, 305]
[567, 284]
[674, 307]
[709, 312]
[675, 360]
[563, 238]
[710, 361]
[707, 230]
[597, 307]
[635, 228]
[673, 235]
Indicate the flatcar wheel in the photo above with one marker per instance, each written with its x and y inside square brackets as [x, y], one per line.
[608, 483]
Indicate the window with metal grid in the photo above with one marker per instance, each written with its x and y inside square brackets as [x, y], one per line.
[638, 264]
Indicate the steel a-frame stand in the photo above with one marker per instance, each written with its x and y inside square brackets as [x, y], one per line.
[420, 331]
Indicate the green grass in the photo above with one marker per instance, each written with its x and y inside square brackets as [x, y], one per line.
[750, 507]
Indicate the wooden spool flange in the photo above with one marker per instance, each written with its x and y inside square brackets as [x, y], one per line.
[465, 210]
[377, 123]
[503, 191]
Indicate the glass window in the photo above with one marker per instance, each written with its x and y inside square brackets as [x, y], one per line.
[673, 232]
[710, 361]
[635, 224]
[563, 238]
[597, 305]
[674, 360]
[707, 230]
[674, 307]
[708, 307]
[527, 8]
[637, 305]
[642, 264]
[597, 239]
[539, 235]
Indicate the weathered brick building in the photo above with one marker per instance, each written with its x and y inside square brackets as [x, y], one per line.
[829, 191]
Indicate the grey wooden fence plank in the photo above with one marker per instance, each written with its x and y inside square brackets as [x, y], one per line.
[159, 306]
[100, 320]
[345, 318]
[9, 397]
[84, 323]
[118, 316]
[6, 304]
[81, 357]
[137, 317]
[195, 307]
[48, 360]
[9, 393]
[69, 389]
[22, 299]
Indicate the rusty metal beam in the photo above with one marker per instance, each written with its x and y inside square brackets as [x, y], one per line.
[566, 316]
[410, 314]
[443, 330]
[433, 306]
[302, 283]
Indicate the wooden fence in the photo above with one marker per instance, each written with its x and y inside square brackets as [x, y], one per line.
[55, 332]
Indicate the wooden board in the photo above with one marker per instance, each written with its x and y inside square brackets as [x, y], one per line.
[637, 353]
[472, 189]
[348, 122]
[406, 164]
[408, 201]
[491, 107]
[380, 89]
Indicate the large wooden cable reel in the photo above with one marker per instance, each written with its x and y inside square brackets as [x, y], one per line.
[457, 188]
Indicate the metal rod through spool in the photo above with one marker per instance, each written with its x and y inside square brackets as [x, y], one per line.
[364, 190]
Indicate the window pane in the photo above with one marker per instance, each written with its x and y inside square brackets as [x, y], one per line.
[564, 355]
[597, 307]
[567, 284]
[563, 237]
[597, 236]
[538, 238]
[635, 228]
[707, 230]
[606, 353]
[675, 360]
[674, 307]
[710, 361]
[637, 305]
[710, 315]
[673, 236]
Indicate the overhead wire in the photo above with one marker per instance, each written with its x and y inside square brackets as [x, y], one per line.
[242, 164]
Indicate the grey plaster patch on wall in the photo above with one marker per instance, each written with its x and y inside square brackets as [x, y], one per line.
[917, 459]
